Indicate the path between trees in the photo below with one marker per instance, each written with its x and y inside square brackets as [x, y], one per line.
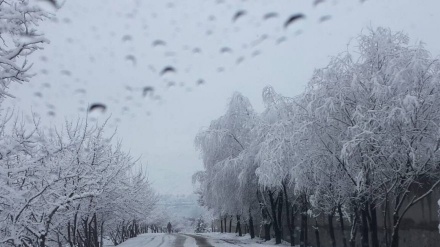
[179, 241]
[191, 240]
[166, 240]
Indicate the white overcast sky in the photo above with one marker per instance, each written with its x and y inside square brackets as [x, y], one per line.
[91, 40]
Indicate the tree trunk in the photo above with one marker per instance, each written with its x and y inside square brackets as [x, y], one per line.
[280, 214]
[42, 240]
[364, 238]
[60, 244]
[331, 229]
[385, 222]
[102, 234]
[318, 241]
[239, 226]
[91, 240]
[266, 223]
[230, 225]
[274, 206]
[292, 241]
[251, 225]
[74, 228]
[264, 215]
[288, 216]
[395, 235]
[267, 232]
[373, 225]
[226, 224]
[396, 220]
[95, 231]
[303, 235]
[86, 231]
[221, 225]
[69, 237]
[341, 221]
[353, 231]
[303, 238]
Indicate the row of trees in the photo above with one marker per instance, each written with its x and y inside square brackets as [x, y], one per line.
[69, 187]
[364, 135]
[60, 187]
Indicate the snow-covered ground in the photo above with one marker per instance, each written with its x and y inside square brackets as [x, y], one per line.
[159, 240]
[194, 240]
[231, 239]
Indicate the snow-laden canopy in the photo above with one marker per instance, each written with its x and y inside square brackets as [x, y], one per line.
[365, 132]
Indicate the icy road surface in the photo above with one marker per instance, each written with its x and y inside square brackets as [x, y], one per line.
[193, 240]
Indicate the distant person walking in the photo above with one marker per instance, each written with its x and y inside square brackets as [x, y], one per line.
[169, 227]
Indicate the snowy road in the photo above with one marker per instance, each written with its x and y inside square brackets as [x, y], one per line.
[163, 240]
[190, 240]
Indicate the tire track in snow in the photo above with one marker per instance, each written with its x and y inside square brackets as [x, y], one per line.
[179, 241]
[234, 242]
[162, 241]
[151, 239]
[200, 241]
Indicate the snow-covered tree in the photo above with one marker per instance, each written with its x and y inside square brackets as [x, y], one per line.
[220, 146]
[68, 186]
[275, 141]
[364, 134]
[377, 115]
[201, 226]
[62, 188]
[20, 37]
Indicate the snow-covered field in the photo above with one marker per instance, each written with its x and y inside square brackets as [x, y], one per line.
[194, 240]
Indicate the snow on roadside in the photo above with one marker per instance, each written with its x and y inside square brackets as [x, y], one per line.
[148, 239]
[231, 239]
